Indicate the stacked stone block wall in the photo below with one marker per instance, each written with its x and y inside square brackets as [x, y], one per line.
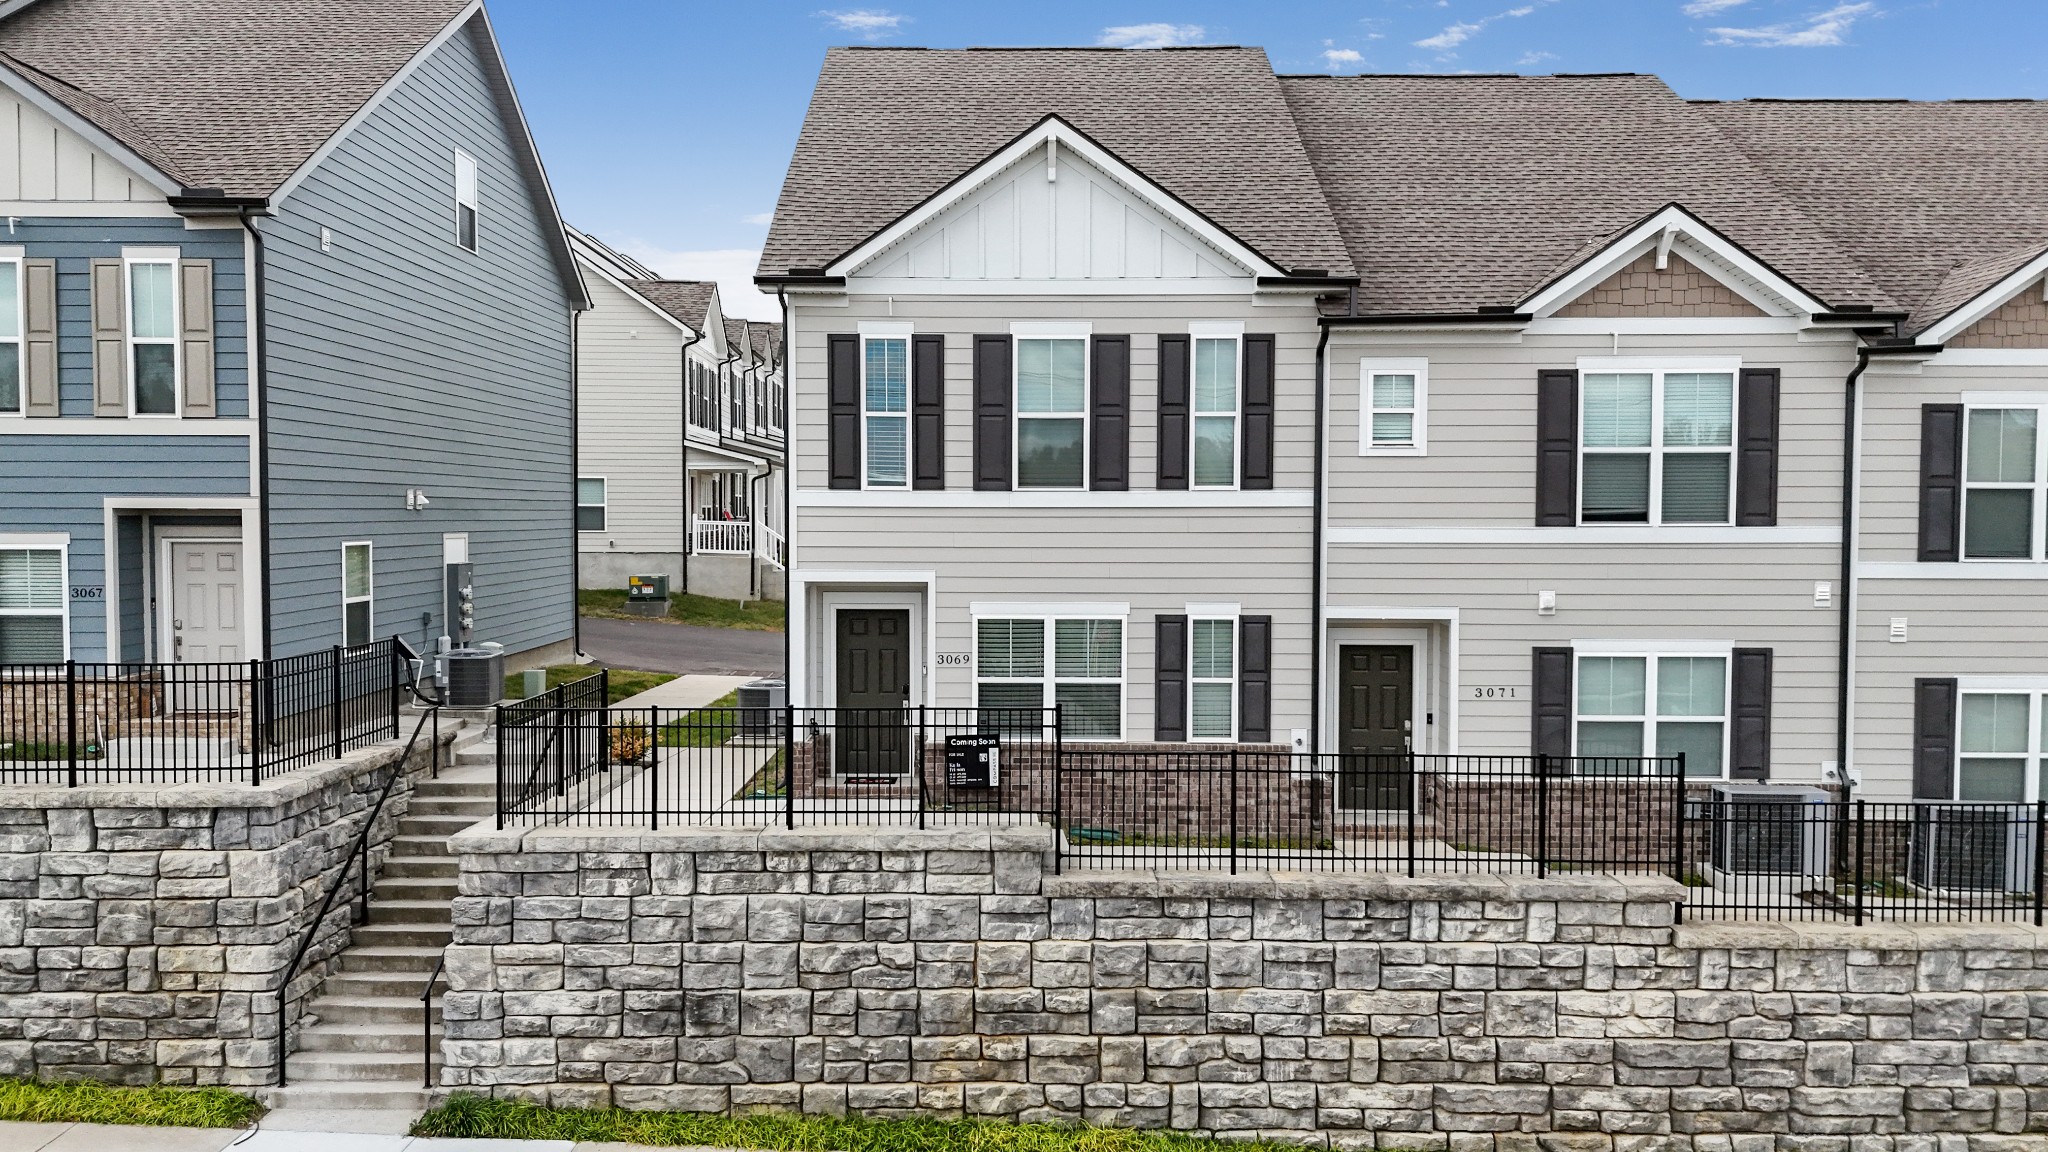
[893, 971]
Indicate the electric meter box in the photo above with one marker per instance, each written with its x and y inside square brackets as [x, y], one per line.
[647, 595]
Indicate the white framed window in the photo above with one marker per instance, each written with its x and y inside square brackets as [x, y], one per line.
[1212, 678]
[1217, 398]
[1051, 412]
[2000, 746]
[153, 336]
[2003, 477]
[590, 504]
[1393, 407]
[358, 587]
[465, 200]
[1657, 445]
[1081, 671]
[885, 410]
[34, 615]
[13, 389]
[1635, 705]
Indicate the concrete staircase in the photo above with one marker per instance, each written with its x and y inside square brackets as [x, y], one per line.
[358, 1060]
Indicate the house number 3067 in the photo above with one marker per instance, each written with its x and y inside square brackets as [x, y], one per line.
[1496, 694]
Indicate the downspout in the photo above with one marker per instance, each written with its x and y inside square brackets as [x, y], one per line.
[1315, 664]
[683, 462]
[788, 485]
[1845, 628]
[259, 386]
[575, 482]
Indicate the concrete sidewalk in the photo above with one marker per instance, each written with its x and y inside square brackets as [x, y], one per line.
[688, 691]
[18, 1137]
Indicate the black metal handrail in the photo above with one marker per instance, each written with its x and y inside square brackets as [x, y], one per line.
[427, 1024]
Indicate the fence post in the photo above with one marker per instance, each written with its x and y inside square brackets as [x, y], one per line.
[257, 736]
[334, 681]
[923, 799]
[1233, 809]
[1414, 787]
[499, 762]
[788, 765]
[1059, 806]
[1678, 822]
[2040, 826]
[1861, 824]
[653, 754]
[71, 721]
[1542, 815]
[396, 678]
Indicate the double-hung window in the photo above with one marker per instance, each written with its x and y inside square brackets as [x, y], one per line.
[153, 336]
[357, 587]
[1216, 412]
[1212, 679]
[1394, 404]
[1017, 678]
[2002, 484]
[465, 200]
[1052, 407]
[11, 322]
[1657, 447]
[1631, 707]
[590, 504]
[885, 392]
[2000, 747]
[32, 605]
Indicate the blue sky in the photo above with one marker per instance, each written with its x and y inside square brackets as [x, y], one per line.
[666, 124]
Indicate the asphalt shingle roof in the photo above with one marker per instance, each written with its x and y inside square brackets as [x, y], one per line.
[889, 127]
[686, 300]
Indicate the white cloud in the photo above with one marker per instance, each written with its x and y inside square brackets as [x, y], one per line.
[733, 268]
[1464, 30]
[759, 218]
[1821, 30]
[1150, 36]
[1535, 59]
[871, 23]
[1699, 8]
[1339, 57]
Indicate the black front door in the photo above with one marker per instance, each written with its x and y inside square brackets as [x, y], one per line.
[873, 739]
[1375, 714]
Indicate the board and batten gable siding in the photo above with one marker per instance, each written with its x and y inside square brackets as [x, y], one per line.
[42, 160]
[60, 484]
[400, 360]
[629, 392]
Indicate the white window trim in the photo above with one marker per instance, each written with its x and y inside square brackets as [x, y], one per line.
[1197, 334]
[606, 504]
[1227, 614]
[1062, 331]
[370, 597]
[2030, 774]
[61, 545]
[129, 259]
[2037, 538]
[1658, 370]
[1050, 616]
[1650, 652]
[909, 424]
[474, 203]
[1404, 366]
[20, 409]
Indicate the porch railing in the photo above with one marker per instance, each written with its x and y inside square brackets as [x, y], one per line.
[81, 723]
[769, 546]
[733, 537]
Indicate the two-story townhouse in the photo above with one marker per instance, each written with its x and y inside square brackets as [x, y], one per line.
[287, 308]
[679, 447]
[1569, 383]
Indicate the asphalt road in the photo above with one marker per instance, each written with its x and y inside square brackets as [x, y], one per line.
[659, 646]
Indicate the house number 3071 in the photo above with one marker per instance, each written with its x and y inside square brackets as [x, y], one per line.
[1496, 694]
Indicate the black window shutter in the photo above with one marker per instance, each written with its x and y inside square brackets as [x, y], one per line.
[1174, 376]
[1941, 481]
[928, 411]
[842, 388]
[1934, 739]
[1109, 464]
[1557, 448]
[1254, 679]
[1550, 706]
[1170, 678]
[992, 413]
[1257, 472]
[1749, 743]
[1756, 448]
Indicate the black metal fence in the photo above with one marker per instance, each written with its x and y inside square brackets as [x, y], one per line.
[84, 723]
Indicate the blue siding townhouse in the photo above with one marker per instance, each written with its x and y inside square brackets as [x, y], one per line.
[286, 327]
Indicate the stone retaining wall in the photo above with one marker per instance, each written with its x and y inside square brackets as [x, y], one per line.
[144, 928]
[894, 971]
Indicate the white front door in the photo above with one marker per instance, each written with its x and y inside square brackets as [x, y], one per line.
[206, 602]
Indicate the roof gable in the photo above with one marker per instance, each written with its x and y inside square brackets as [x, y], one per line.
[1993, 289]
[48, 156]
[1674, 231]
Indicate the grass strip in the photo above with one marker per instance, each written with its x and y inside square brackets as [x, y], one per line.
[86, 1102]
[706, 727]
[479, 1118]
[688, 608]
[624, 682]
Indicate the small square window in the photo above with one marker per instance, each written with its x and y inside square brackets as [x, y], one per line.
[1393, 408]
[590, 504]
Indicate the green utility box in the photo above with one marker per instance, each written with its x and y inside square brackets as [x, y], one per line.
[647, 595]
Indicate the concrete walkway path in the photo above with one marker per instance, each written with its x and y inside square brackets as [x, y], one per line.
[688, 691]
[19, 1137]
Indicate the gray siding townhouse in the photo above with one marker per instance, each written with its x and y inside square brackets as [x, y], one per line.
[1475, 415]
[286, 308]
[680, 459]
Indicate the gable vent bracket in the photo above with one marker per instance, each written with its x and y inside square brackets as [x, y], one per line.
[1052, 159]
[1664, 241]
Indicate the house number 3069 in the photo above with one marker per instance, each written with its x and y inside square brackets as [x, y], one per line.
[1496, 694]
[952, 659]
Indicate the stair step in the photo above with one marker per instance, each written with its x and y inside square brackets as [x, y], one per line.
[415, 844]
[402, 1094]
[402, 986]
[331, 1066]
[443, 826]
[439, 888]
[392, 956]
[422, 867]
[476, 807]
[366, 1039]
[408, 912]
[375, 934]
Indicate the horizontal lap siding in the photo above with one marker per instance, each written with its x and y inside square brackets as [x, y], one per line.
[1888, 512]
[398, 360]
[1752, 598]
[630, 419]
[1481, 465]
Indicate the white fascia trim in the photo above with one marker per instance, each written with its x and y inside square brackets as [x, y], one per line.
[1957, 570]
[886, 329]
[150, 174]
[1698, 236]
[1394, 614]
[1216, 329]
[661, 313]
[81, 426]
[35, 540]
[1214, 610]
[1652, 647]
[740, 457]
[1985, 303]
[1666, 326]
[1988, 358]
[1730, 364]
[1597, 535]
[2034, 683]
[1051, 329]
[1051, 608]
[375, 102]
[1052, 128]
[2005, 399]
[876, 500]
[1229, 288]
[94, 209]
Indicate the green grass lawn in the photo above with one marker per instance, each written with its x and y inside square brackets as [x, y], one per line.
[624, 681]
[705, 727]
[684, 608]
[89, 1103]
[477, 1118]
